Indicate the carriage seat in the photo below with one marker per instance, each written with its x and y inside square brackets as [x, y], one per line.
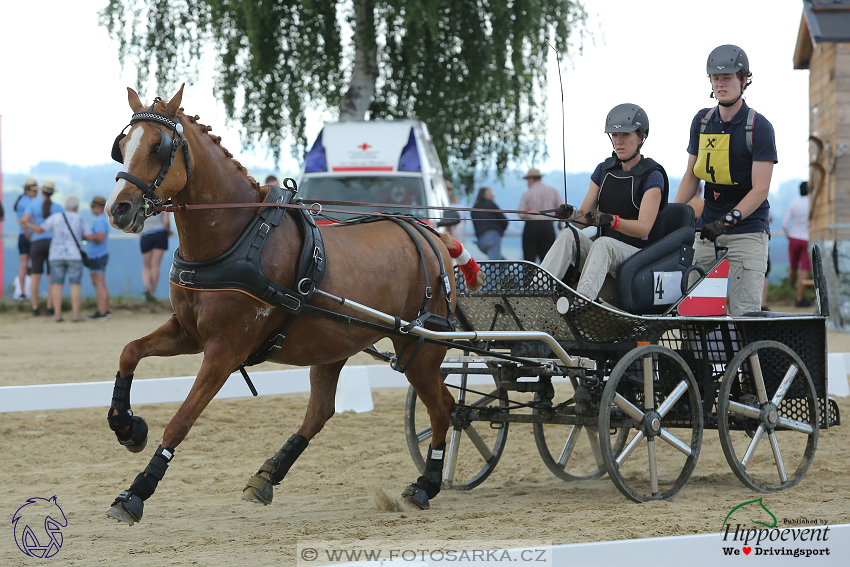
[652, 279]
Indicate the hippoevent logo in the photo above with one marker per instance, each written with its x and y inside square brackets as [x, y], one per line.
[38, 527]
[755, 530]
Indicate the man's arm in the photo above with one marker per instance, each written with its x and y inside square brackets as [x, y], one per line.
[762, 172]
[689, 184]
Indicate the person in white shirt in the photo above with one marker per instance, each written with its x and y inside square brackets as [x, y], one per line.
[795, 223]
[64, 256]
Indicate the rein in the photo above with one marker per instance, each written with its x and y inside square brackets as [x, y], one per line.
[318, 208]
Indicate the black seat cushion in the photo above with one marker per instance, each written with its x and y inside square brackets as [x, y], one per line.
[672, 251]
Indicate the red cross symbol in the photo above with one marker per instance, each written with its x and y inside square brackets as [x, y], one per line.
[364, 146]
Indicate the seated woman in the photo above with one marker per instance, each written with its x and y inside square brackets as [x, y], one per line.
[626, 192]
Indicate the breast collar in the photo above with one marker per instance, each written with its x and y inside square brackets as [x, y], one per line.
[240, 268]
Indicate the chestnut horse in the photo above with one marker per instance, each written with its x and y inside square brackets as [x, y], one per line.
[376, 264]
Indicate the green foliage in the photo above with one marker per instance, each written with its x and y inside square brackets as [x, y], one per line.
[473, 70]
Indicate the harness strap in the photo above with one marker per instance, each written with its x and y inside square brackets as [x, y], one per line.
[748, 128]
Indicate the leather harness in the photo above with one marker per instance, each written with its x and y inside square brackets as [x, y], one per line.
[240, 269]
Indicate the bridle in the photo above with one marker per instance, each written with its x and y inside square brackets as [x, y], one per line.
[167, 149]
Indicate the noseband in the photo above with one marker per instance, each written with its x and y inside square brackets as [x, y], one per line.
[167, 149]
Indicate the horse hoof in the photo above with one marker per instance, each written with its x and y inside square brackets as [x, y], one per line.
[137, 439]
[127, 508]
[416, 497]
[258, 490]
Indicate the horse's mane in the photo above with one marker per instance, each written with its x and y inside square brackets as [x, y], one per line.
[217, 141]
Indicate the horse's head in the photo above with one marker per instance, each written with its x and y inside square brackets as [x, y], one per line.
[148, 151]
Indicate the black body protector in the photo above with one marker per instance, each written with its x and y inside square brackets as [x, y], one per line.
[620, 194]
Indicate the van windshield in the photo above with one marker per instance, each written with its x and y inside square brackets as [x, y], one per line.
[382, 192]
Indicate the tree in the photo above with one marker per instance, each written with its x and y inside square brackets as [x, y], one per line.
[473, 70]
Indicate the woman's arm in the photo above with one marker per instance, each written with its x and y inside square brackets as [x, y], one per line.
[641, 227]
[591, 200]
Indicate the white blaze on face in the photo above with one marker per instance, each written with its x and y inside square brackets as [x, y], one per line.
[133, 141]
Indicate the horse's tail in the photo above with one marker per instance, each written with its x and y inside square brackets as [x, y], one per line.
[471, 271]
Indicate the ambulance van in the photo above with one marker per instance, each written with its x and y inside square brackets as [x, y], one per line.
[386, 163]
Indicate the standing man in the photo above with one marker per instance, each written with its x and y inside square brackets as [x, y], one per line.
[489, 227]
[99, 256]
[732, 148]
[538, 234]
[37, 212]
[795, 223]
[30, 193]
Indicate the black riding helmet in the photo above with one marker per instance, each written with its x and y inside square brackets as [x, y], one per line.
[628, 117]
[729, 59]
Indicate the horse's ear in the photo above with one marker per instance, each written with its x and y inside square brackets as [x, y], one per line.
[174, 104]
[133, 99]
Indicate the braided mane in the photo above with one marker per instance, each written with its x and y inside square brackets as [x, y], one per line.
[217, 141]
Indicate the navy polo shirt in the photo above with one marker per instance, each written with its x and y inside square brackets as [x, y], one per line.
[735, 162]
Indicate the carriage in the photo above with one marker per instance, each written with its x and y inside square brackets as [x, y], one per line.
[624, 392]
[608, 391]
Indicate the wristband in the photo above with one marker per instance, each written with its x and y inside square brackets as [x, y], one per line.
[616, 223]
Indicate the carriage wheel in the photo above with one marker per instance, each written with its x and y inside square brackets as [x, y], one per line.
[768, 395]
[472, 449]
[654, 388]
[577, 455]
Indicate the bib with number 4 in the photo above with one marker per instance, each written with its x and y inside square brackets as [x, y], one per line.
[712, 163]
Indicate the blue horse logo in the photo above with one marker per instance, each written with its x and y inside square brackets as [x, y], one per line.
[38, 527]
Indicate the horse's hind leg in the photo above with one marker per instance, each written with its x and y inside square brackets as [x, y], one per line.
[320, 408]
[168, 340]
[424, 376]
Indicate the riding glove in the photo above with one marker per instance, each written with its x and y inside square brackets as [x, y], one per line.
[598, 218]
[714, 229]
[565, 212]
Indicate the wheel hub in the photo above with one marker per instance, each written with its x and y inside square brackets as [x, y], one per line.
[652, 423]
[770, 415]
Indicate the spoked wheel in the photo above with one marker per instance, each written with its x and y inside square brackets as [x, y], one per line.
[767, 416]
[473, 448]
[572, 452]
[653, 389]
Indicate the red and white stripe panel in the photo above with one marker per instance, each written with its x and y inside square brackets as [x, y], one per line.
[709, 297]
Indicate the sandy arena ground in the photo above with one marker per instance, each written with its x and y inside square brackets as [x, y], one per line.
[196, 516]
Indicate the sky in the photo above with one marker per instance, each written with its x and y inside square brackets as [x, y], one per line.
[63, 93]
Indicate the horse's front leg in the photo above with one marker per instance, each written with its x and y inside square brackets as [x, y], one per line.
[218, 364]
[168, 340]
[320, 408]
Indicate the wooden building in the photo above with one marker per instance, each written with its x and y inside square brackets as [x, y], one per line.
[823, 47]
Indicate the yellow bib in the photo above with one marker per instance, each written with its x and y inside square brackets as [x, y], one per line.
[713, 159]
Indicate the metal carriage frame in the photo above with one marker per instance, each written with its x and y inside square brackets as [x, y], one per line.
[761, 381]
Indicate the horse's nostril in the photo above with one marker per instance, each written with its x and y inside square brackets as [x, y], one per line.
[119, 209]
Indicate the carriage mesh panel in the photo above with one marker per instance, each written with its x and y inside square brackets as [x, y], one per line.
[518, 288]
[807, 338]
[522, 296]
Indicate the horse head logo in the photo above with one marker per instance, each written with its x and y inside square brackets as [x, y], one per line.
[754, 508]
[38, 527]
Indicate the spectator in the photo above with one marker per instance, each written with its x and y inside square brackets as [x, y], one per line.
[272, 180]
[538, 234]
[37, 211]
[68, 230]
[99, 256]
[795, 223]
[489, 227]
[30, 192]
[154, 243]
